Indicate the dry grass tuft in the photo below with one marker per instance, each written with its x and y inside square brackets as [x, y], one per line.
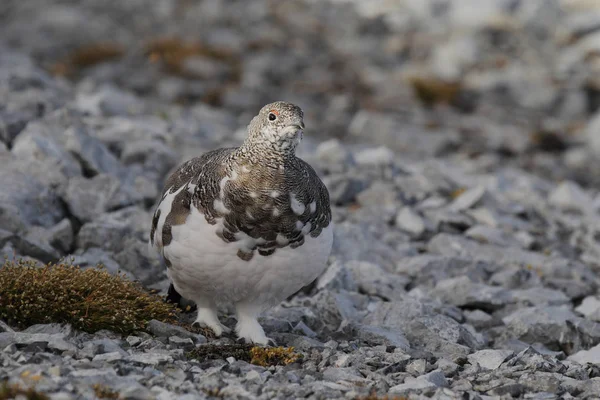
[9, 392]
[172, 53]
[87, 56]
[103, 392]
[89, 300]
[457, 192]
[262, 356]
[431, 91]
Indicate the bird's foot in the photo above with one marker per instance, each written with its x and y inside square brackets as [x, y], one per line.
[250, 331]
[270, 342]
[207, 318]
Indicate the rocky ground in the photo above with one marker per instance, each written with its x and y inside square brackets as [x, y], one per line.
[460, 142]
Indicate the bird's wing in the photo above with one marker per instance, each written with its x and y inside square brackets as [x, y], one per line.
[194, 179]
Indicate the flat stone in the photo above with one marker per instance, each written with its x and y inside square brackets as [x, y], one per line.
[410, 221]
[108, 357]
[378, 156]
[375, 336]
[153, 359]
[590, 308]
[492, 235]
[343, 375]
[163, 329]
[104, 232]
[468, 199]
[591, 356]
[570, 196]
[379, 194]
[88, 198]
[373, 280]
[489, 359]
[434, 379]
[463, 292]
[423, 326]
[181, 342]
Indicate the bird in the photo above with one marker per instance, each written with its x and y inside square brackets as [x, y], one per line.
[246, 226]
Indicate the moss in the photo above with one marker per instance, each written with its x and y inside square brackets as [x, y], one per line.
[87, 56]
[221, 352]
[14, 391]
[273, 356]
[89, 300]
[103, 392]
[262, 356]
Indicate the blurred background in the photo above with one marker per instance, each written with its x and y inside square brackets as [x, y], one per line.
[513, 79]
[109, 96]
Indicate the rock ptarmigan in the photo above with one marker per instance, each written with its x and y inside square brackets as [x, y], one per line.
[247, 226]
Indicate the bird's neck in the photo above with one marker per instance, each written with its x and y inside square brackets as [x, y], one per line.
[272, 154]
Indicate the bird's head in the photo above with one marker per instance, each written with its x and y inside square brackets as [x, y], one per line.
[279, 125]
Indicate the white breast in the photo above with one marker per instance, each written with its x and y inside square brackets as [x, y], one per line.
[202, 264]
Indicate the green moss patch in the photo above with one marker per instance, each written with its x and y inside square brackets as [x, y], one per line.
[89, 300]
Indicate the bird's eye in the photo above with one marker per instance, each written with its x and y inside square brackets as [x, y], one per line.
[272, 117]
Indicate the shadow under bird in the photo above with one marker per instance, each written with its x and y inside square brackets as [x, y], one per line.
[246, 226]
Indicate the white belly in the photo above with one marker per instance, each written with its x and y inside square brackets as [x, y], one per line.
[204, 266]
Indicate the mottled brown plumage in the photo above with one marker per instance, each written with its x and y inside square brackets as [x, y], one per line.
[263, 178]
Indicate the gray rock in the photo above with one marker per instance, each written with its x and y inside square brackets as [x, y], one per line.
[432, 380]
[342, 188]
[570, 196]
[551, 326]
[373, 280]
[88, 198]
[181, 343]
[540, 296]
[590, 308]
[61, 235]
[488, 234]
[423, 326]
[108, 357]
[379, 156]
[30, 200]
[468, 199]
[54, 341]
[35, 144]
[136, 258]
[592, 133]
[105, 232]
[343, 375]
[109, 100]
[375, 336]
[462, 292]
[429, 269]
[337, 276]
[479, 319]
[93, 257]
[591, 356]
[411, 222]
[162, 329]
[490, 359]
[379, 194]
[152, 359]
[334, 155]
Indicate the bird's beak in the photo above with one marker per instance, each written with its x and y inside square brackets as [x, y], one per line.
[299, 126]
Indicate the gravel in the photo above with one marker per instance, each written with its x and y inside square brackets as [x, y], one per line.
[458, 143]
